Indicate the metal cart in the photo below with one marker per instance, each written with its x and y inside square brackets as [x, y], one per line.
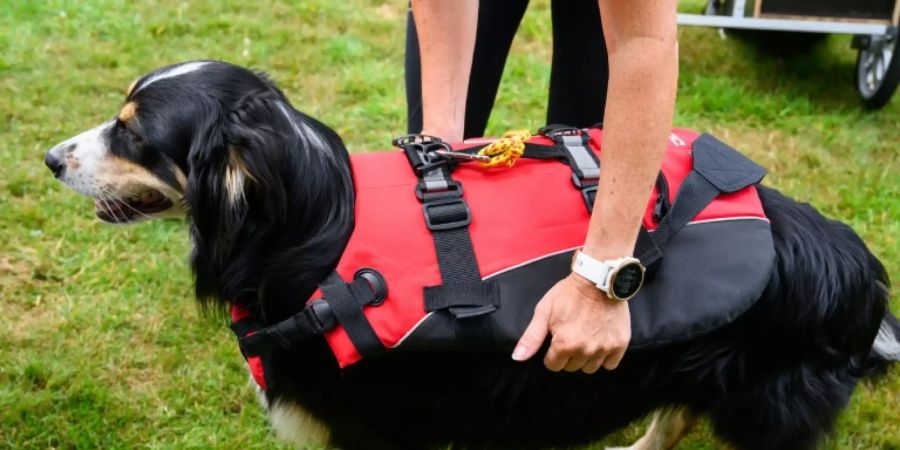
[873, 24]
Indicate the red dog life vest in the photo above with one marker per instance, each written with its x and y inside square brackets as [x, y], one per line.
[525, 222]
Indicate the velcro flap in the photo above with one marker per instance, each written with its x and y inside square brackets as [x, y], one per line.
[724, 167]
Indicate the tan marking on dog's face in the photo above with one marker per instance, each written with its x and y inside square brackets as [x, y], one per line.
[123, 178]
[73, 163]
[128, 112]
[131, 87]
[179, 176]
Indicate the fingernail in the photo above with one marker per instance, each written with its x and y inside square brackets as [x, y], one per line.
[519, 353]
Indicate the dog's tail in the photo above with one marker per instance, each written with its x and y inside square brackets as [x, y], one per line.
[886, 349]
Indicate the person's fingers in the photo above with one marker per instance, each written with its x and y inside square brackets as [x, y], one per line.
[594, 365]
[534, 335]
[575, 363]
[556, 359]
[612, 361]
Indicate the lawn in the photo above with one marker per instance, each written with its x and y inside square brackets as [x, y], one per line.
[102, 346]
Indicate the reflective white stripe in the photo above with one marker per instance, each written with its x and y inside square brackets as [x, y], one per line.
[499, 272]
[411, 330]
[726, 219]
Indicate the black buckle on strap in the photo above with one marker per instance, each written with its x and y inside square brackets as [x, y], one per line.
[454, 190]
[584, 183]
[439, 222]
[403, 141]
[556, 132]
[423, 152]
[589, 194]
[588, 188]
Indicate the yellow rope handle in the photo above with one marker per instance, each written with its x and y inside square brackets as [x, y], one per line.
[506, 150]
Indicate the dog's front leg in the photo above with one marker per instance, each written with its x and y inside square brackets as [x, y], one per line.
[668, 427]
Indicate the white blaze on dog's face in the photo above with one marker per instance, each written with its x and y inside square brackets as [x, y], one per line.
[119, 167]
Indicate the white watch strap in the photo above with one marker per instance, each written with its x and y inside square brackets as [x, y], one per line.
[594, 270]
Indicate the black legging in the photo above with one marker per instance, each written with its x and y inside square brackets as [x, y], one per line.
[578, 78]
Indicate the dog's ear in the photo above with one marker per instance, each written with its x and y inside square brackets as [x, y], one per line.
[263, 176]
[237, 161]
[258, 144]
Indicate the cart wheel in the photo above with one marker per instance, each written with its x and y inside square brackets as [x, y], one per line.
[877, 69]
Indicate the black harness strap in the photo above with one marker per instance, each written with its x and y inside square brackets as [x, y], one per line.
[583, 160]
[584, 163]
[255, 342]
[718, 168]
[347, 301]
[463, 293]
[341, 303]
[695, 193]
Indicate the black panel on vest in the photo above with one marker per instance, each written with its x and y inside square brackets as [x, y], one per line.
[726, 168]
[676, 305]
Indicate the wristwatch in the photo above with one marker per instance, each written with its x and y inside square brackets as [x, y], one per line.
[620, 279]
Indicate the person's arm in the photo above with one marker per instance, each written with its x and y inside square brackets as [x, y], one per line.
[446, 32]
[588, 329]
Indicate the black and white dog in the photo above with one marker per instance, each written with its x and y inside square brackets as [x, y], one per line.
[269, 195]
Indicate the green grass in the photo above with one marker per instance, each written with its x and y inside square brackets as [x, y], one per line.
[101, 344]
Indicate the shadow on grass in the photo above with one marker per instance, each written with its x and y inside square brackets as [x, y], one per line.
[770, 73]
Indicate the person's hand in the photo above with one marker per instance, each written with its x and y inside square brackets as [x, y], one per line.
[589, 329]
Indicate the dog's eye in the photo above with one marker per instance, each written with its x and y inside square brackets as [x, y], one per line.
[128, 128]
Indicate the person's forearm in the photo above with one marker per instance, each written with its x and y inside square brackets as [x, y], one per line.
[640, 105]
[446, 32]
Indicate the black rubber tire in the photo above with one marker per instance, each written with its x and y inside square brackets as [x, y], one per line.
[882, 94]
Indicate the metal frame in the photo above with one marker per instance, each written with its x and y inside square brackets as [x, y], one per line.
[805, 26]
[737, 18]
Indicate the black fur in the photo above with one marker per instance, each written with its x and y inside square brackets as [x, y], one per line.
[774, 379]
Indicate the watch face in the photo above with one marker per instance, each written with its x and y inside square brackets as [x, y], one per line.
[627, 281]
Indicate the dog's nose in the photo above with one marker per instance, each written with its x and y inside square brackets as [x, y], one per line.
[54, 163]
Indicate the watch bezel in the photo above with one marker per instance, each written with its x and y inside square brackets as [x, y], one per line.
[611, 279]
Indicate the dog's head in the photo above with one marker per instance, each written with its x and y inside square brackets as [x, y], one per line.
[223, 145]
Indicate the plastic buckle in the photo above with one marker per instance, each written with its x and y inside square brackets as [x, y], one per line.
[319, 313]
[423, 157]
[659, 208]
[589, 194]
[588, 188]
[428, 206]
[454, 190]
[584, 183]
[556, 133]
[423, 139]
